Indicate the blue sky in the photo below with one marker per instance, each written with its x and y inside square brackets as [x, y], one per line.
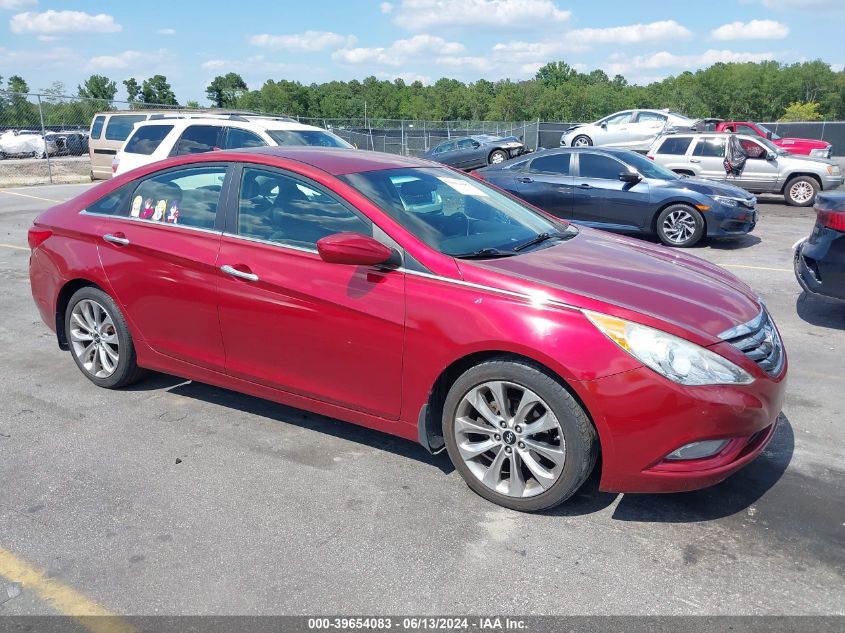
[192, 41]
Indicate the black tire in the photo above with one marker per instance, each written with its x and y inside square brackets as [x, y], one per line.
[127, 371]
[501, 154]
[798, 189]
[692, 230]
[579, 435]
[582, 140]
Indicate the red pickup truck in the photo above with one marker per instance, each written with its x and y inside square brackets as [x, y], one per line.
[806, 146]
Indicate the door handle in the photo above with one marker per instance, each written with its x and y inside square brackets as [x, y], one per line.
[585, 185]
[229, 270]
[694, 160]
[526, 180]
[116, 239]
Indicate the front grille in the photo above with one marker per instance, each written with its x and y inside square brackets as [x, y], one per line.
[759, 340]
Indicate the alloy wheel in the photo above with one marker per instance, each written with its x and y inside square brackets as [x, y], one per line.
[94, 339]
[581, 141]
[510, 439]
[679, 226]
[801, 192]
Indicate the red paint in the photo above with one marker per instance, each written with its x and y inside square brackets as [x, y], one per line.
[366, 344]
[791, 145]
[353, 249]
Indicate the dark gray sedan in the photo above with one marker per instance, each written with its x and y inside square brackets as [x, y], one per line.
[471, 152]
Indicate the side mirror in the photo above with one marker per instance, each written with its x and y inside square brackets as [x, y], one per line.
[769, 135]
[603, 125]
[356, 250]
[476, 144]
[771, 156]
[630, 177]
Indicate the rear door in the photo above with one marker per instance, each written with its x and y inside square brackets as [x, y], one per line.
[160, 257]
[646, 128]
[547, 183]
[291, 321]
[197, 139]
[601, 199]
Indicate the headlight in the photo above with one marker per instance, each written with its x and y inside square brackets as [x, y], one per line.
[833, 170]
[725, 201]
[675, 358]
[821, 152]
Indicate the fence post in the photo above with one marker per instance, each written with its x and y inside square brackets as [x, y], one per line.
[44, 138]
[537, 135]
[402, 138]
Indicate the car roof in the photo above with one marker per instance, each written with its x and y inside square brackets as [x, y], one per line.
[256, 123]
[336, 160]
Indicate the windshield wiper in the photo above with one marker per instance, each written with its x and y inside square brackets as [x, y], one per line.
[540, 238]
[485, 253]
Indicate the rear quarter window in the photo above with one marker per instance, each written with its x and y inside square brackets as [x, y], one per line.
[97, 126]
[119, 126]
[677, 146]
[146, 139]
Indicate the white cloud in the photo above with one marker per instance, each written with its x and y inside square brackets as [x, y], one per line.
[309, 41]
[386, 7]
[535, 51]
[121, 60]
[63, 22]
[47, 38]
[621, 64]
[57, 57]
[837, 68]
[631, 34]
[408, 78]
[15, 5]
[466, 62]
[400, 51]
[166, 31]
[753, 30]
[252, 64]
[213, 64]
[420, 15]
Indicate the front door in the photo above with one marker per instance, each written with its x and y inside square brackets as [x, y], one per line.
[759, 173]
[291, 321]
[160, 256]
[601, 199]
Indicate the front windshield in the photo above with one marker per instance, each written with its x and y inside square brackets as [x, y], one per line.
[767, 131]
[453, 213]
[317, 138]
[648, 168]
[770, 146]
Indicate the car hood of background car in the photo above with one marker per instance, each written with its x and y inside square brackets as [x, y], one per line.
[707, 187]
[808, 142]
[699, 298]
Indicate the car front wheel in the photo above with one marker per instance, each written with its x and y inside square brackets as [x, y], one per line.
[801, 191]
[680, 225]
[99, 340]
[582, 141]
[517, 436]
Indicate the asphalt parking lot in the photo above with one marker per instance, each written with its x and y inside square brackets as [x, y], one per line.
[174, 497]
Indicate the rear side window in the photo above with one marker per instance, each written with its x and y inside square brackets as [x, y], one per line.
[236, 137]
[555, 164]
[644, 117]
[710, 147]
[120, 126]
[597, 166]
[147, 138]
[676, 146]
[445, 147]
[187, 197]
[97, 126]
[197, 139]
[113, 203]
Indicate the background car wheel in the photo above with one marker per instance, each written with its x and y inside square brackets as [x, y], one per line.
[517, 436]
[99, 340]
[801, 191]
[680, 225]
[582, 141]
[497, 156]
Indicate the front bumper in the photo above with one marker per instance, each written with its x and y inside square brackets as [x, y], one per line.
[725, 221]
[643, 417]
[832, 182]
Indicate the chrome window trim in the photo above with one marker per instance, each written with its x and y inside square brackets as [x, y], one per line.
[129, 218]
[258, 240]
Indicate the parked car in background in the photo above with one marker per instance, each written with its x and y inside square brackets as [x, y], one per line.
[804, 146]
[629, 129]
[26, 143]
[621, 190]
[69, 142]
[524, 344]
[768, 169]
[152, 141]
[820, 259]
[471, 152]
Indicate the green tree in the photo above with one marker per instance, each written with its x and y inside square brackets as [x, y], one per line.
[156, 90]
[133, 90]
[97, 87]
[224, 90]
[192, 104]
[802, 112]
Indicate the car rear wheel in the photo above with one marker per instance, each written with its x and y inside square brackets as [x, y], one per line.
[99, 340]
[801, 191]
[517, 436]
[582, 141]
[680, 225]
[497, 156]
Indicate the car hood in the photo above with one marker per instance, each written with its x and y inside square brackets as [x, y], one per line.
[805, 160]
[806, 142]
[699, 298]
[707, 187]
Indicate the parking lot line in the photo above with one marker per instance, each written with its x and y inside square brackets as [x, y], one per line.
[26, 195]
[65, 600]
[17, 248]
[743, 266]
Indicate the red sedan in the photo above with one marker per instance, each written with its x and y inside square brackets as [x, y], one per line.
[403, 296]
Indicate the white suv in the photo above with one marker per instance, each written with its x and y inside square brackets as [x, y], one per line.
[158, 139]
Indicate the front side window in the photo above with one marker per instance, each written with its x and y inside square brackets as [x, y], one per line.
[146, 139]
[187, 197]
[752, 149]
[119, 126]
[554, 164]
[466, 143]
[710, 147]
[97, 126]
[746, 129]
[597, 166]
[278, 208]
[236, 137]
[452, 213]
[197, 139]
